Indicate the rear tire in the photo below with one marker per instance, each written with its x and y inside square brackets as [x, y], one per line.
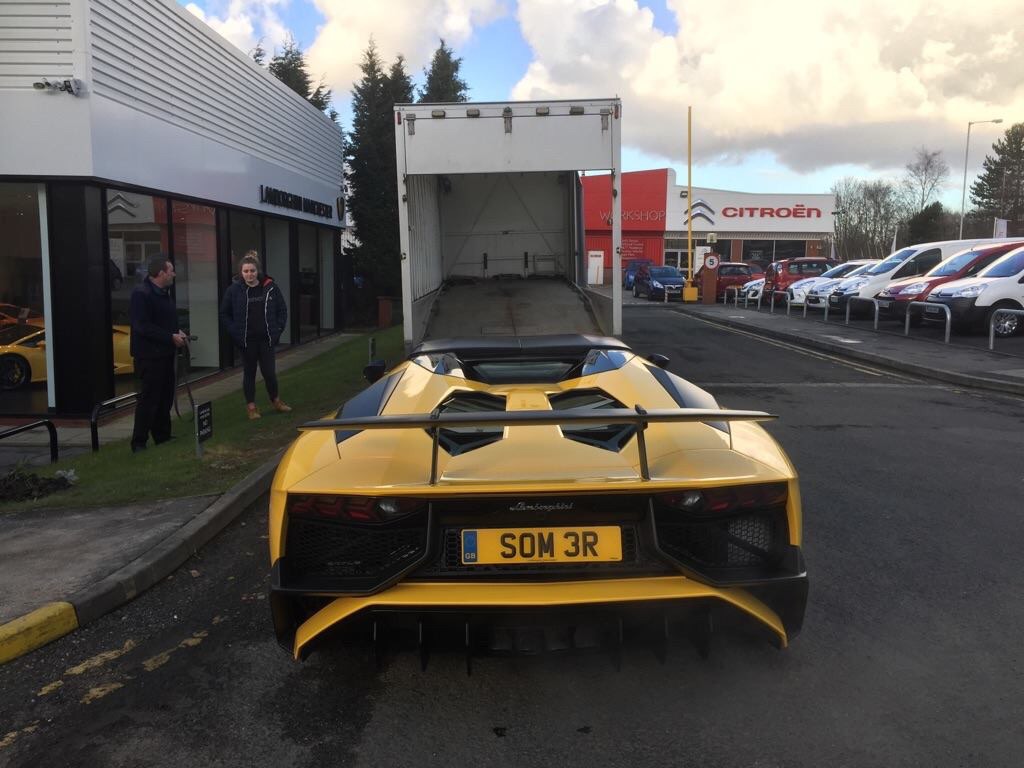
[636, 292]
[15, 372]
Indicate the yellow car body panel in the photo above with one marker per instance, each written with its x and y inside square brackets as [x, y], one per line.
[571, 593]
[533, 462]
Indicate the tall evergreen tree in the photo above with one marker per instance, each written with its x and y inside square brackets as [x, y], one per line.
[929, 225]
[998, 191]
[373, 169]
[442, 78]
[289, 66]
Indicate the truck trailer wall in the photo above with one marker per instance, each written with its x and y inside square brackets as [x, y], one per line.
[492, 188]
[507, 224]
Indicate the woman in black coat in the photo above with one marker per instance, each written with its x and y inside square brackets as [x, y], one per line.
[254, 313]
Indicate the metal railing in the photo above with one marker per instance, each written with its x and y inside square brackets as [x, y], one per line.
[784, 293]
[861, 298]
[930, 305]
[736, 293]
[992, 324]
[112, 404]
[33, 425]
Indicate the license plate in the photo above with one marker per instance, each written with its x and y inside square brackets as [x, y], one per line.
[884, 304]
[833, 300]
[932, 310]
[491, 546]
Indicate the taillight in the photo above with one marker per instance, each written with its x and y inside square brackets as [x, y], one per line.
[354, 509]
[726, 500]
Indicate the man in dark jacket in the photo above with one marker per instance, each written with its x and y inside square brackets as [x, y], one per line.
[254, 313]
[155, 340]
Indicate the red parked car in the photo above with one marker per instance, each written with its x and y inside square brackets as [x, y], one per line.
[732, 274]
[781, 274]
[895, 298]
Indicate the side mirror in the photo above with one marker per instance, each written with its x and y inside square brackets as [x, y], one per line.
[375, 370]
[659, 360]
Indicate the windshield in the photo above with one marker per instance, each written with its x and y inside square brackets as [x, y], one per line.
[15, 333]
[838, 271]
[954, 264]
[860, 270]
[665, 272]
[1007, 267]
[892, 262]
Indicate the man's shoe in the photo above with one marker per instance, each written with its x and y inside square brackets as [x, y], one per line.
[253, 411]
[280, 406]
[138, 448]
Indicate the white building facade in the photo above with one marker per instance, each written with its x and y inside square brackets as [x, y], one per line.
[131, 129]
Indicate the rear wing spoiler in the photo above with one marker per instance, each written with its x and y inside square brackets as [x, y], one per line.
[638, 417]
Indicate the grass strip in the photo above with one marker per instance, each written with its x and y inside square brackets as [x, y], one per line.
[115, 475]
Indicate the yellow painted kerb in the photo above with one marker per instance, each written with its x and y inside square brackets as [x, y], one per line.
[36, 629]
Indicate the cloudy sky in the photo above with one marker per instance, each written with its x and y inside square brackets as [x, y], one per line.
[787, 96]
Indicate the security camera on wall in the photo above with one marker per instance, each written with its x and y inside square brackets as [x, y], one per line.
[72, 85]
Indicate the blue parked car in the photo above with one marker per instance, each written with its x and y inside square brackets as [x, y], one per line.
[630, 270]
[655, 282]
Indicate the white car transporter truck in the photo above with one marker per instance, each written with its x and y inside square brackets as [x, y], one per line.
[491, 217]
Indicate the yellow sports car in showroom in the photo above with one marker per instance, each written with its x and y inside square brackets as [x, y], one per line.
[501, 485]
[23, 354]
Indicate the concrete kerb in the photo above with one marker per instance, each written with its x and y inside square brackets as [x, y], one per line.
[50, 622]
[844, 350]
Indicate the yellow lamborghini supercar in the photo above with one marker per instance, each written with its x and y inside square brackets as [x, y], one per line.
[493, 482]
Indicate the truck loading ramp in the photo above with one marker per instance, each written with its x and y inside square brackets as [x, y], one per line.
[509, 306]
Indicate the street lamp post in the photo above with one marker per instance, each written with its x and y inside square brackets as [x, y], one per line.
[967, 149]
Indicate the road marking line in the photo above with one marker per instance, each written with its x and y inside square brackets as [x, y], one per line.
[100, 659]
[10, 736]
[99, 692]
[48, 689]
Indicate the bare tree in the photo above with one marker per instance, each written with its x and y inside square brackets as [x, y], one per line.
[924, 177]
[867, 216]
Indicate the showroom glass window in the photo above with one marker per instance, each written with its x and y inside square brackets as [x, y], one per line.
[136, 230]
[194, 230]
[22, 318]
[327, 279]
[308, 310]
[277, 265]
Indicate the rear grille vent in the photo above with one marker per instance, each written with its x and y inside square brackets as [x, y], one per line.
[749, 540]
[610, 437]
[459, 440]
[344, 556]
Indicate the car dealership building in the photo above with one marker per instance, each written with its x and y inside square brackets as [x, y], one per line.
[132, 129]
[745, 226]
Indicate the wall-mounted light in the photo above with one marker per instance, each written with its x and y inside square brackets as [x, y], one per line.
[437, 113]
[506, 113]
[543, 110]
[71, 85]
[575, 110]
[472, 112]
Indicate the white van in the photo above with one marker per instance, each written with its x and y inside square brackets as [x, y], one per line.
[973, 300]
[907, 262]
